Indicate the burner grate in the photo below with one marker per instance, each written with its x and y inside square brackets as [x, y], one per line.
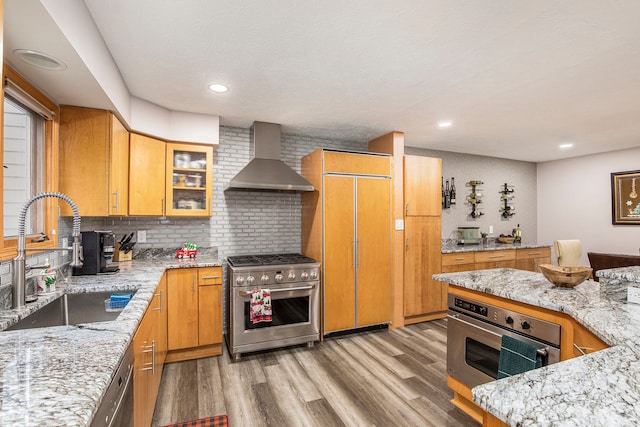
[268, 259]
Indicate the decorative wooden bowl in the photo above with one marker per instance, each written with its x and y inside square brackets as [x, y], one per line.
[506, 239]
[567, 277]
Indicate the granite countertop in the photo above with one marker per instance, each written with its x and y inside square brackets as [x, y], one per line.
[56, 376]
[599, 389]
[451, 246]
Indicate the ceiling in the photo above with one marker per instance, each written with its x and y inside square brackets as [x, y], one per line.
[517, 78]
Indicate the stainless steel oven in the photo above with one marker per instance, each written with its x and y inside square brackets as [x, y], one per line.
[293, 283]
[474, 336]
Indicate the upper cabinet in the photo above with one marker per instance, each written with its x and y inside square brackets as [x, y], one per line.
[146, 176]
[169, 179]
[188, 183]
[422, 192]
[94, 162]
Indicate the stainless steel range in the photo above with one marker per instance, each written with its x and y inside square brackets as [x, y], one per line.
[292, 281]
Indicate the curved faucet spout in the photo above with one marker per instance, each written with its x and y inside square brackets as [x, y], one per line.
[19, 262]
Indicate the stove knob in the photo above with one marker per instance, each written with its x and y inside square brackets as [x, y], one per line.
[304, 275]
[509, 320]
[314, 274]
[240, 281]
[278, 277]
[264, 278]
[525, 324]
[291, 276]
[250, 280]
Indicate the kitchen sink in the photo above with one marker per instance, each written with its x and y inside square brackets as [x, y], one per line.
[71, 309]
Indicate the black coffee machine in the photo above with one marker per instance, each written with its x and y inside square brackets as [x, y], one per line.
[97, 247]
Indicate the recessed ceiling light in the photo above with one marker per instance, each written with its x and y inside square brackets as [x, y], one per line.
[566, 145]
[40, 60]
[445, 123]
[218, 88]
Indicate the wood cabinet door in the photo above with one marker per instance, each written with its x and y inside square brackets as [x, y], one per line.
[182, 308]
[209, 314]
[146, 175]
[189, 179]
[422, 294]
[339, 253]
[142, 374]
[119, 168]
[160, 305]
[373, 251]
[84, 160]
[422, 186]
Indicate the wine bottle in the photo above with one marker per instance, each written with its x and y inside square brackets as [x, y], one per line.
[447, 196]
[442, 192]
[452, 194]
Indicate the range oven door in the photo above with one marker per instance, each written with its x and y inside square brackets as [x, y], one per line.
[473, 349]
[295, 308]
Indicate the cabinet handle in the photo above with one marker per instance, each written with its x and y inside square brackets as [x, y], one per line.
[358, 253]
[580, 349]
[219, 296]
[117, 200]
[353, 253]
[159, 308]
[194, 282]
[407, 209]
[459, 259]
[162, 206]
[496, 256]
[408, 242]
[150, 349]
[210, 277]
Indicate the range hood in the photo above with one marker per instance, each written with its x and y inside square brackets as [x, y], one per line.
[266, 171]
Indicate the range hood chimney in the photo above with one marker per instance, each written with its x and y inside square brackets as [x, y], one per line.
[266, 171]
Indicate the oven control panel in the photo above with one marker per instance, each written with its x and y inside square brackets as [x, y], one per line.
[270, 275]
[507, 319]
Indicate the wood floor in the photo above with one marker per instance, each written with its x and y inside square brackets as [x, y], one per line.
[378, 378]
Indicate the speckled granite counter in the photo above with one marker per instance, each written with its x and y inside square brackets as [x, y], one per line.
[599, 389]
[56, 376]
[451, 246]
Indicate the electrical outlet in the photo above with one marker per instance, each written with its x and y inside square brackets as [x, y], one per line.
[399, 224]
[142, 236]
[633, 294]
[491, 229]
[65, 242]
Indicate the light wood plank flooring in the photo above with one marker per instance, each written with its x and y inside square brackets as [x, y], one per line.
[378, 378]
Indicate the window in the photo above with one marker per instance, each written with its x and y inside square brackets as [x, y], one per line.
[30, 157]
[23, 166]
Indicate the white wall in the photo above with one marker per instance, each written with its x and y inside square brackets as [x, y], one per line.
[574, 202]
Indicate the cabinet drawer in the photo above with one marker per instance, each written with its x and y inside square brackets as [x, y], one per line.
[533, 253]
[210, 276]
[458, 258]
[357, 163]
[492, 256]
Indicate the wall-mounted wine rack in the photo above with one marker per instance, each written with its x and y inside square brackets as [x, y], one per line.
[475, 198]
[507, 208]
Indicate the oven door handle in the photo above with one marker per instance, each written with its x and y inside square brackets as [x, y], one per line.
[541, 351]
[300, 288]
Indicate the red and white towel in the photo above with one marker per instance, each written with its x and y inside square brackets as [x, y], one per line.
[260, 306]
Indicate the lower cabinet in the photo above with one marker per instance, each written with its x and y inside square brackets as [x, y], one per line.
[584, 341]
[150, 349]
[520, 258]
[194, 313]
[530, 259]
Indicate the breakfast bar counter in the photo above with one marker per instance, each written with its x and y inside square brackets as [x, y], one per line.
[598, 389]
[56, 376]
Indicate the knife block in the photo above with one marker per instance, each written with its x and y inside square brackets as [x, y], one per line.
[119, 255]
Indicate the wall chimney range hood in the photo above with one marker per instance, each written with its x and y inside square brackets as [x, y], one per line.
[266, 171]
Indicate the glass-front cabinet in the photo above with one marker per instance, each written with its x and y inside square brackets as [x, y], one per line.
[189, 179]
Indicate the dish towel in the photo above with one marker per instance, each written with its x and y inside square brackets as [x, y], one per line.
[517, 357]
[260, 306]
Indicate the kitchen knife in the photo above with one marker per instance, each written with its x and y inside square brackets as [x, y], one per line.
[123, 239]
[129, 247]
[128, 239]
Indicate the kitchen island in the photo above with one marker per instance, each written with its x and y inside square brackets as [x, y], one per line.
[56, 376]
[598, 389]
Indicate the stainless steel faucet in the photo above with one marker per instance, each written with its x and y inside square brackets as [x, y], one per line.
[19, 267]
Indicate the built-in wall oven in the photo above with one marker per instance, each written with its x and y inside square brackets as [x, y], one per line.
[474, 337]
[294, 286]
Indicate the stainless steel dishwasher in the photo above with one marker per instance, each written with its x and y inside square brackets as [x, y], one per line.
[116, 407]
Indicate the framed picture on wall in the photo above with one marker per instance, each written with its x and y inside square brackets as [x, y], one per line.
[625, 201]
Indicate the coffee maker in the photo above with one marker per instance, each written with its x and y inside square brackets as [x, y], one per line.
[97, 250]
